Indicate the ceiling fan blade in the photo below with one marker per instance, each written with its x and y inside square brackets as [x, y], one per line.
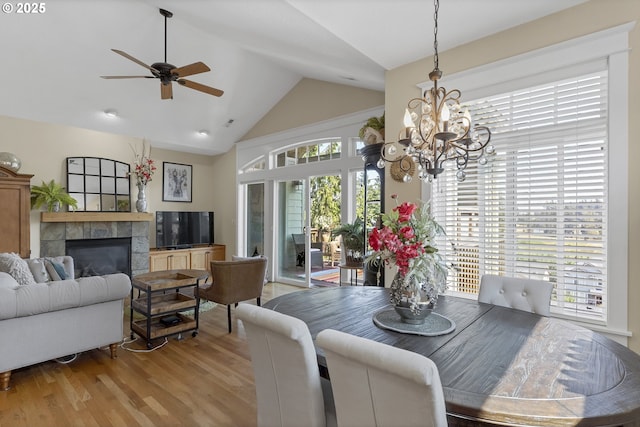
[166, 91]
[200, 87]
[127, 77]
[191, 69]
[131, 58]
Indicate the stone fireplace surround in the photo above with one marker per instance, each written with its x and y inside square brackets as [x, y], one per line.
[57, 228]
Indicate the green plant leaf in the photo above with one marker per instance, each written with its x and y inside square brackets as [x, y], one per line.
[49, 193]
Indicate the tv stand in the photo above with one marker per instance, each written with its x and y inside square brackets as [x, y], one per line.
[196, 257]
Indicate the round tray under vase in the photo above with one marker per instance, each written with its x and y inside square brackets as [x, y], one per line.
[434, 324]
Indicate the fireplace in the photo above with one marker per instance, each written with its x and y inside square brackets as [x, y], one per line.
[59, 228]
[96, 257]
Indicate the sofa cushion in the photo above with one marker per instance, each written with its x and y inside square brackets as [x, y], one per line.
[17, 267]
[7, 281]
[62, 294]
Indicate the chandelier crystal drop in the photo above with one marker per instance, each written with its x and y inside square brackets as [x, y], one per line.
[437, 129]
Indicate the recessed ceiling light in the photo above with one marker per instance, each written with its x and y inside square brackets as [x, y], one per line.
[203, 132]
[111, 113]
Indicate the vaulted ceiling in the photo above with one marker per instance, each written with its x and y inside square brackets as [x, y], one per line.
[257, 51]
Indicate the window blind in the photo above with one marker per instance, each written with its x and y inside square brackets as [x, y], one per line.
[537, 209]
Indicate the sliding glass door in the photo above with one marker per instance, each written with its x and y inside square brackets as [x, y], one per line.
[293, 238]
[307, 211]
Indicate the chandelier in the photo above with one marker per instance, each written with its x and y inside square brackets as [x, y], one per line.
[437, 129]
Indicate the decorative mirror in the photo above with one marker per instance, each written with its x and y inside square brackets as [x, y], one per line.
[99, 184]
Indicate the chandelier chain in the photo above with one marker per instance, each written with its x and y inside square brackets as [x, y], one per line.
[436, 5]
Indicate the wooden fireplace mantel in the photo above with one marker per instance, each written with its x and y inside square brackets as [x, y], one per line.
[95, 216]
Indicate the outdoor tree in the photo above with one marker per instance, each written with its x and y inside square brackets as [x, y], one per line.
[325, 202]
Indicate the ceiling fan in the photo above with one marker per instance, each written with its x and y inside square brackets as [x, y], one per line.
[168, 73]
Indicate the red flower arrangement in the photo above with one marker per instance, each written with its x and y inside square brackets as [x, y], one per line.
[144, 165]
[406, 240]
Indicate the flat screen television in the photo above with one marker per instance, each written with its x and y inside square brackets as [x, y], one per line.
[176, 230]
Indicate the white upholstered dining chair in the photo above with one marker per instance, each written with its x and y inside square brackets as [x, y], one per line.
[289, 389]
[375, 384]
[522, 294]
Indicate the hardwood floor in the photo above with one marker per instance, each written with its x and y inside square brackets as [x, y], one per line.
[201, 381]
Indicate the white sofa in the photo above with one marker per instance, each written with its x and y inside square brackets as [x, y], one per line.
[55, 318]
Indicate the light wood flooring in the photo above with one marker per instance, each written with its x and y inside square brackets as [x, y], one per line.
[202, 381]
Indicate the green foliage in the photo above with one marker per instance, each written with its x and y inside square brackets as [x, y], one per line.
[376, 123]
[352, 235]
[373, 195]
[50, 193]
[325, 202]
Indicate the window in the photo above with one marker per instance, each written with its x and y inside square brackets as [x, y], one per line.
[319, 150]
[553, 202]
[537, 209]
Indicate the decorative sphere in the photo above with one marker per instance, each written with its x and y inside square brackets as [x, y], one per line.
[10, 161]
[380, 164]
[461, 175]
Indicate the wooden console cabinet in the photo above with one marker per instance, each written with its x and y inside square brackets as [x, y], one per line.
[15, 193]
[192, 258]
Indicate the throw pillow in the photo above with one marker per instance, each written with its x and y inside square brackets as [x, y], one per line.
[38, 269]
[17, 267]
[57, 268]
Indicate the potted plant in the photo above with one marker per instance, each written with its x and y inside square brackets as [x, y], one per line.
[52, 195]
[353, 241]
[373, 130]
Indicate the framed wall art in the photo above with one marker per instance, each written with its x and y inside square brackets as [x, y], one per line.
[176, 182]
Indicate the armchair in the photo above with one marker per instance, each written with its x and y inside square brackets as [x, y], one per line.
[316, 253]
[235, 281]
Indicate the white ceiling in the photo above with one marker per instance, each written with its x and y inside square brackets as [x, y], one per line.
[257, 51]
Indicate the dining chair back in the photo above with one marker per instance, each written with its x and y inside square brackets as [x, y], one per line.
[375, 384]
[289, 389]
[235, 281]
[523, 294]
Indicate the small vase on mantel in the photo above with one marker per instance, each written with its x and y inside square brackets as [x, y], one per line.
[413, 300]
[141, 203]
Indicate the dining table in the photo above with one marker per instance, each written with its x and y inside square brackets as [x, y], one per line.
[498, 365]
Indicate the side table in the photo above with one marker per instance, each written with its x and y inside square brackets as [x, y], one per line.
[162, 301]
[351, 270]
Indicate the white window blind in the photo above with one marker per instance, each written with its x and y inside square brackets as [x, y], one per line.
[538, 208]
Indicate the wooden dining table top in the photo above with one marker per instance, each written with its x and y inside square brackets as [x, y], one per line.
[499, 365]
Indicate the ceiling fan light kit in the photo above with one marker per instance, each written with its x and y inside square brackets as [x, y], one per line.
[169, 73]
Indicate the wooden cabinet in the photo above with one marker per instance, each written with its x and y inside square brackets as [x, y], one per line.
[200, 258]
[193, 258]
[15, 193]
[169, 260]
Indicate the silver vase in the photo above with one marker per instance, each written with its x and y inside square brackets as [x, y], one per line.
[10, 161]
[141, 203]
[413, 300]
